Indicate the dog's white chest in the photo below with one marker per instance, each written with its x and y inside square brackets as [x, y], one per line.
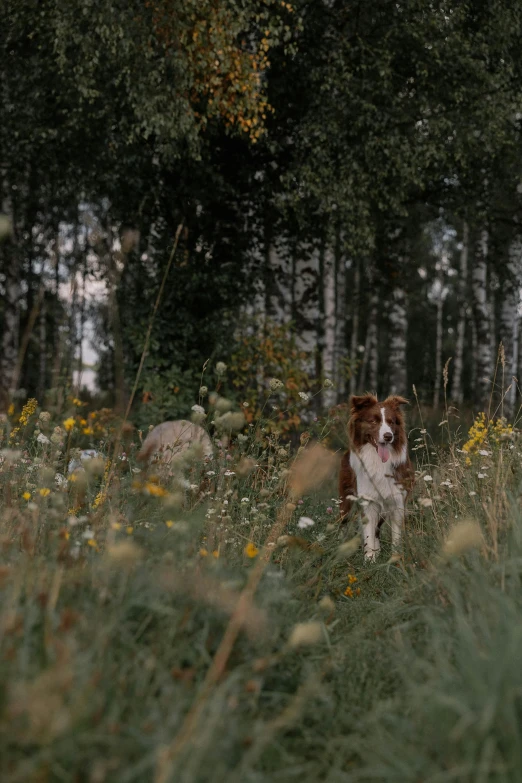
[375, 479]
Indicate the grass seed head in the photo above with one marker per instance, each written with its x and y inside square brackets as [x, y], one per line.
[306, 634]
[462, 537]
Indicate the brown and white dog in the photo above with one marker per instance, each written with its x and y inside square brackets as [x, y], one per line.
[377, 468]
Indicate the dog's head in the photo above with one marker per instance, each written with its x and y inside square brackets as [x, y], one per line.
[379, 423]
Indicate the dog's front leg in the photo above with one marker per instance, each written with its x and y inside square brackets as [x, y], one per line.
[371, 543]
[397, 525]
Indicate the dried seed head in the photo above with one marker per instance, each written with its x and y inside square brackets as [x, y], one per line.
[304, 634]
[349, 547]
[310, 468]
[463, 536]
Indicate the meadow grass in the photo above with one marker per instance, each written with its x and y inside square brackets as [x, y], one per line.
[153, 632]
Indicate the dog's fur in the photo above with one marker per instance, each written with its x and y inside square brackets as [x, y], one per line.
[169, 440]
[377, 468]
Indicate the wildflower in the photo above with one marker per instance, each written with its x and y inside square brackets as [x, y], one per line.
[426, 502]
[329, 510]
[211, 472]
[154, 489]
[203, 552]
[44, 492]
[203, 391]
[481, 475]
[11, 409]
[484, 453]
[423, 432]
[349, 592]
[129, 530]
[245, 500]
[446, 484]
[116, 525]
[472, 494]
[305, 522]
[68, 424]
[245, 405]
[428, 478]
[124, 553]
[43, 439]
[26, 496]
[327, 383]
[304, 396]
[92, 542]
[276, 384]
[221, 368]
[304, 634]
[352, 579]
[199, 409]
[251, 550]
[215, 553]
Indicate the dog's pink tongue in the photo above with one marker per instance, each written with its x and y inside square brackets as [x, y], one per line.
[383, 452]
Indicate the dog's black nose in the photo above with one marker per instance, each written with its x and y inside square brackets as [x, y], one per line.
[388, 437]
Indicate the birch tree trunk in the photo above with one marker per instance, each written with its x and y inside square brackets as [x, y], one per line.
[509, 321]
[11, 320]
[482, 318]
[279, 290]
[438, 340]
[457, 392]
[354, 340]
[370, 365]
[329, 323]
[306, 302]
[339, 378]
[398, 333]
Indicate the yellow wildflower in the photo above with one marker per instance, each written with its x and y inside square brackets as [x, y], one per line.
[44, 491]
[169, 522]
[215, 553]
[10, 410]
[349, 592]
[129, 530]
[351, 579]
[26, 496]
[203, 552]
[116, 526]
[92, 542]
[251, 550]
[69, 423]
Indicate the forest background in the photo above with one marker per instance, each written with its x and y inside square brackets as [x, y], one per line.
[347, 176]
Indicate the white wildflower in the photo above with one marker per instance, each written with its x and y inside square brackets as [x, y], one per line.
[276, 384]
[304, 396]
[428, 478]
[426, 502]
[327, 383]
[305, 522]
[446, 484]
[211, 472]
[198, 409]
[481, 475]
[472, 494]
[43, 439]
[245, 500]
[423, 432]
[88, 533]
[203, 391]
[221, 368]
[484, 453]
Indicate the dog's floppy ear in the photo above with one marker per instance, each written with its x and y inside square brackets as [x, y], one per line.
[364, 401]
[396, 400]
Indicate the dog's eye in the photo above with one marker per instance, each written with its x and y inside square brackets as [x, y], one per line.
[397, 422]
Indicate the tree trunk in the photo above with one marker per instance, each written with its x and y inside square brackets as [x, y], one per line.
[340, 322]
[279, 300]
[509, 322]
[438, 340]
[457, 392]
[11, 319]
[482, 318]
[354, 340]
[398, 333]
[330, 323]
[42, 349]
[306, 302]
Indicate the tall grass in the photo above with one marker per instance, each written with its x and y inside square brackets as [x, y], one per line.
[149, 631]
